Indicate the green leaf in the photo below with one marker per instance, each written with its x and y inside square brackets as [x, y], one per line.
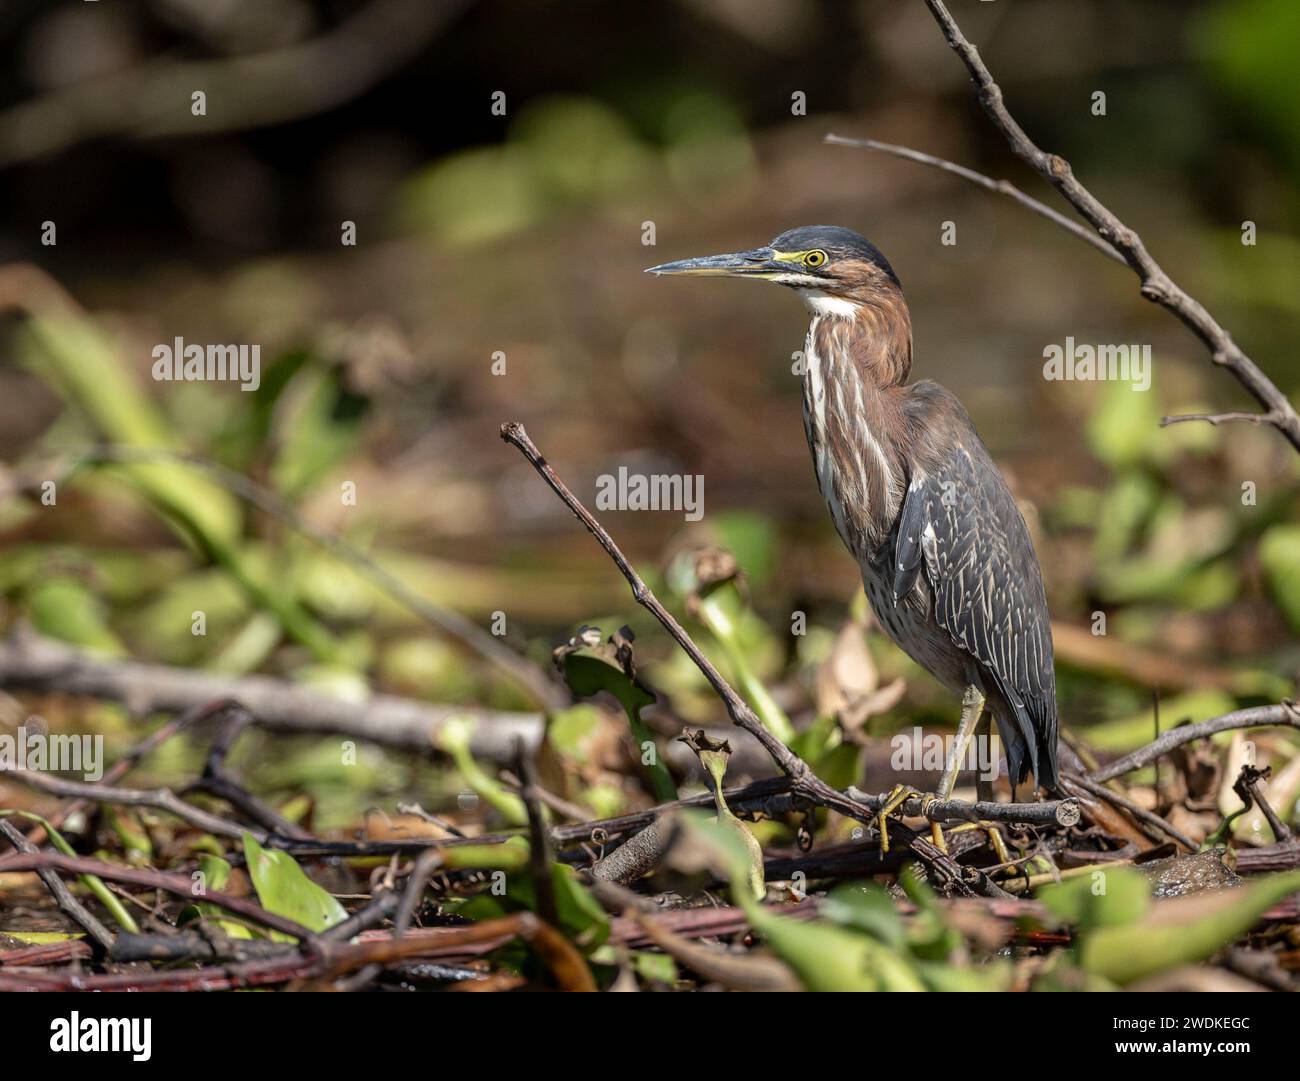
[216, 875]
[319, 422]
[1114, 897]
[64, 608]
[866, 907]
[581, 917]
[1279, 553]
[588, 670]
[824, 957]
[284, 888]
[1181, 931]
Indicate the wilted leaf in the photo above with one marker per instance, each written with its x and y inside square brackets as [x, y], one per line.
[590, 666]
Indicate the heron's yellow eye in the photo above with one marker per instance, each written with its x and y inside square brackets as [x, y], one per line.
[814, 259]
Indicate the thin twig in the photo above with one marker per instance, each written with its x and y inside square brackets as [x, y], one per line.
[176, 884]
[539, 844]
[1140, 813]
[803, 781]
[1222, 418]
[190, 717]
[78, 912]
[217, 781]
[159, 799]
[999, 187]
[1157, 286]
[1286, 714]
[1247, 786]
[30, 662]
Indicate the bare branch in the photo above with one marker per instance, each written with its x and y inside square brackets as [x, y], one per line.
[803, 782]
[32, 663]
[999, 187]
[1157, 286]
[63, 896]
[1287, 714]
[1148, 818]
[176, 884]
[158, 799]
[1221, 418]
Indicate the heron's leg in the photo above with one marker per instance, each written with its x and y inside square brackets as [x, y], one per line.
[984, 738]
[972, 702]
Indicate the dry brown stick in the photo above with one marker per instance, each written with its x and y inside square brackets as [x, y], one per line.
[124, 765]
[1156, 284]
[1247, 788]
[1140, 813]
[1285, 714]
[217, 781]
[803, 782]
[62, 895]
[29, 662]
[999, 187]
[178, 885]
[158, 799]
[540, 856]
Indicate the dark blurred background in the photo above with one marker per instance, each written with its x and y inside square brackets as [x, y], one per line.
[522, 234]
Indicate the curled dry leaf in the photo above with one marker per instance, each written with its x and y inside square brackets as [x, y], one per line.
[847, 685]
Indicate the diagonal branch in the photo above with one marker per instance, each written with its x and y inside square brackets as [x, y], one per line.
[803, 782]
[1157, 286]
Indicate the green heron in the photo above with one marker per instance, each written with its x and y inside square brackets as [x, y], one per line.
[946, 558]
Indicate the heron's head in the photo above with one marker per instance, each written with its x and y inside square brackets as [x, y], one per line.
[833, 269]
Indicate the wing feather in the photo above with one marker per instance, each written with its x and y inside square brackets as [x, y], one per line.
[960, 526]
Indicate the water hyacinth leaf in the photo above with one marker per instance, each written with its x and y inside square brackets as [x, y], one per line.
[453, 737]
[591, 666]
[708, 580]
[63, 608]
[1113, 897]
[216, 876]
[866, 907]
[823, 956]
[511, 855]
[94, 883]
[581, 917]
[319, 422]
[284, 888]
[1181, 931]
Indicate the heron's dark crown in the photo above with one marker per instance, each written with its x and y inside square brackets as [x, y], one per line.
[837, 242]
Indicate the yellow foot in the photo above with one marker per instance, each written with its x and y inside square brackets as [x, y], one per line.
[995, 838]
[899, 795]
[936, 830]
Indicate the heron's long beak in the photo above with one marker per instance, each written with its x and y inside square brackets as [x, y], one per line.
[755, 263]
